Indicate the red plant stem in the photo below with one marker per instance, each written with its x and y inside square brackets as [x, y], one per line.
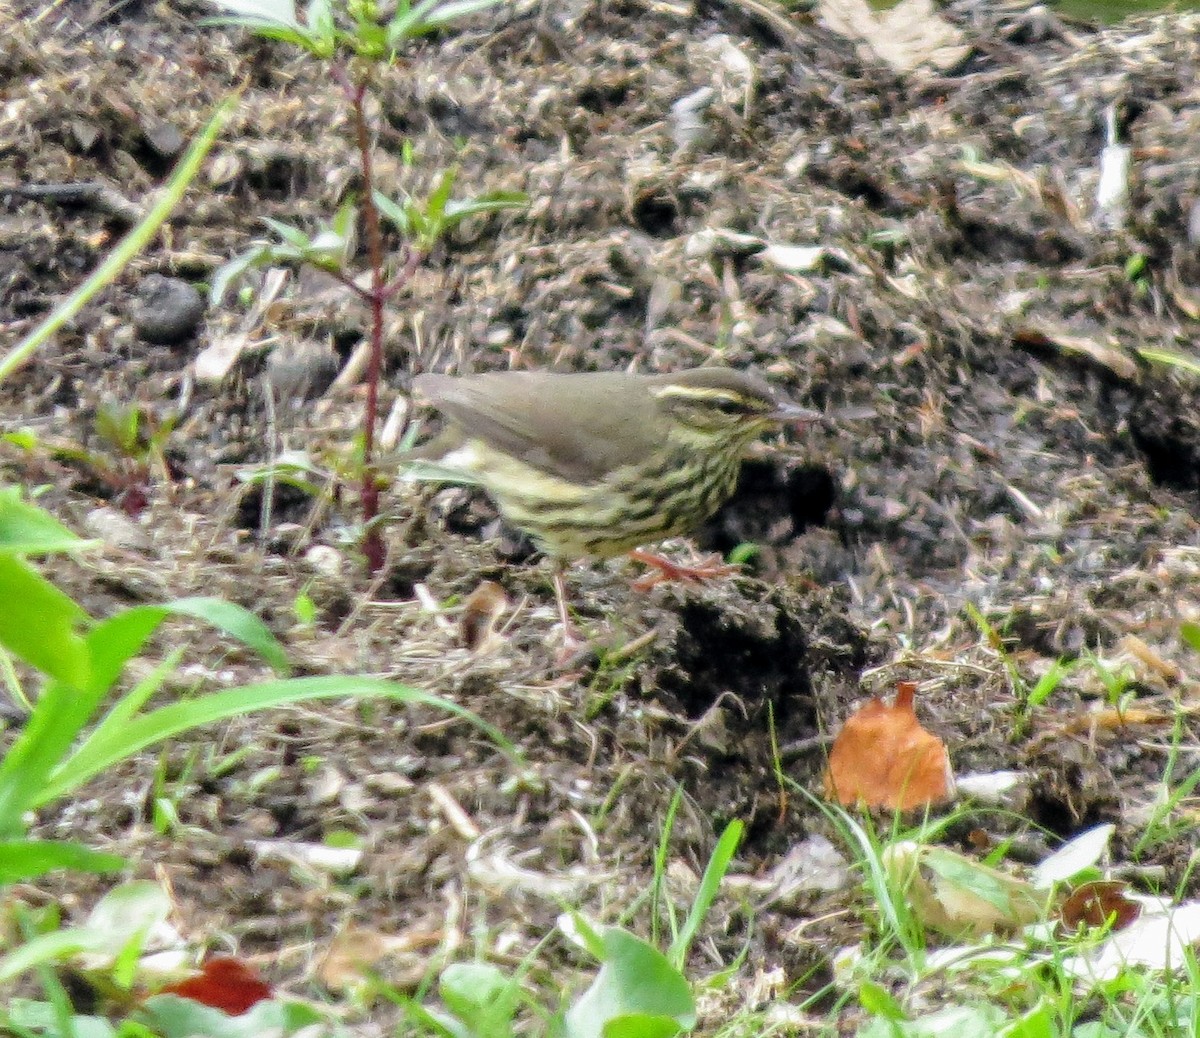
[377, 297]
[372, 543]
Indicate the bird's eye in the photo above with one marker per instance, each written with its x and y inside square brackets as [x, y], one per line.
[728, 406]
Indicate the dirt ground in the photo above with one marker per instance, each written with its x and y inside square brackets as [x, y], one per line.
[1022, 455]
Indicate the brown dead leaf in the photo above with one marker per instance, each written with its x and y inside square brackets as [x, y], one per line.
[883, 758]
[481, 613]
[1092, 904]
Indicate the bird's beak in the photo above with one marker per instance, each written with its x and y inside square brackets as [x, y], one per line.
[788, 413]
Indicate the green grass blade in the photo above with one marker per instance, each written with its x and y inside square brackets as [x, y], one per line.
[23, 860]
[710, 883]
[127, 247]
[236, 622]
[168, 721]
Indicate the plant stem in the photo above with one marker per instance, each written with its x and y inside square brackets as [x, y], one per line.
[372, 542]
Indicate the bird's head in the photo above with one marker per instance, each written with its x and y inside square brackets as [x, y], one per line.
[719, 407]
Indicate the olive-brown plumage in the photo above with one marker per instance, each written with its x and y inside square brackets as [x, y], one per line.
[596, 464]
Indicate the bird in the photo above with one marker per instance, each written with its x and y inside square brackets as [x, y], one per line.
[597, 464]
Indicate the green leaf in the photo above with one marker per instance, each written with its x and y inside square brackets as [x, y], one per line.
[293, 236]
[41, 1019]
[26, 529]
[481, 997]
[710, 882]
[39, 624]
[319, 17]
[115, 641]
[103, 751]
[130, 704]
[492, 202]
[236, 622]
[1190, 633]
[456, 9]
[877, 1001]
[405, 216]
[175, 1017]
[637, 991]
[258, 256]
[950, 1022]
[439, 197]
[124, 916]
[408, 22]
[24, 860]
[62, 712]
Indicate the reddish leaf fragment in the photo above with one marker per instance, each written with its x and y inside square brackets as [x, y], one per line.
[883, 758]
[481, 613]
[224, 983]
[1092, 904]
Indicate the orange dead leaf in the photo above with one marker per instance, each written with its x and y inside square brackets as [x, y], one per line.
[1092, 904]
[224, 983]
[481, 613]
[884, 758]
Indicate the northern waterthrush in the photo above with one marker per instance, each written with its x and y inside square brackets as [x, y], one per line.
[597, 464]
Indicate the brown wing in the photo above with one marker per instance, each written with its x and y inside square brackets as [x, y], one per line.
[576, 427]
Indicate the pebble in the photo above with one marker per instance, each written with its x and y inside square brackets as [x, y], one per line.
[168, 310]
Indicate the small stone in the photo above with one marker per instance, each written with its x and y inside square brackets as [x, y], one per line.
[388, 783]
[168, 310]
[115, 528]
[324, 559]
[163, 137]
[301, 370]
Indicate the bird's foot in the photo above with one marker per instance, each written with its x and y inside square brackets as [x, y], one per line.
[571, 650]
[664, 569]
[572, 646]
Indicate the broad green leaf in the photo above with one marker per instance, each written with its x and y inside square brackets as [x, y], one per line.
[1037, 1023]
[41, 1019]
[175, 1017]
[39, 624]
[26, 529]
[641, 1025]
[123, 916]
[481, 997]
[127, 911]
[636, 985]
[878, 1001]
[115, 641]
[983, 1021]
[23, 860]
